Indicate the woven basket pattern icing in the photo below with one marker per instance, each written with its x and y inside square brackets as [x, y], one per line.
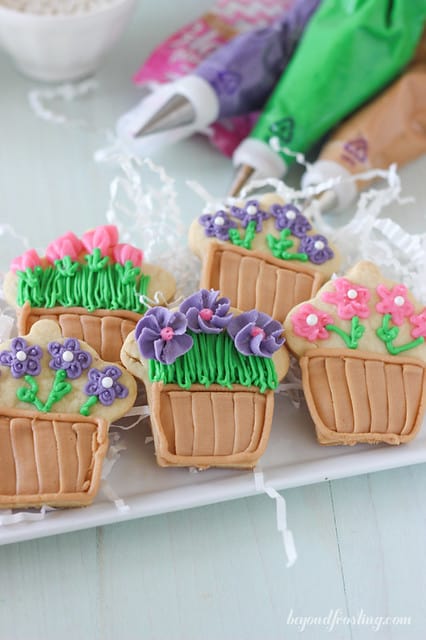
[211, 426]
[366, 397]
[252, 281]
[104, 330]
[54, 459]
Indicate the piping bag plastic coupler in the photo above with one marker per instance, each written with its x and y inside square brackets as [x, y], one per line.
[234, 80]
[391, 128]
[349, 51]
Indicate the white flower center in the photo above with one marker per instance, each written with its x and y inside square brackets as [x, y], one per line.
[21, 356]
[319, 245]
[251, 209]
[107, 382]
[219, 220]
[352, 294]
[312, 320]
[67, 356]
[290, 215]
[399, 301]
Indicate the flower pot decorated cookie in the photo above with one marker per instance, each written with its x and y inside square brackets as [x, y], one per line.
[263, 254]
[210, 377]
[57, 398]
[94, 287]
[361, 341]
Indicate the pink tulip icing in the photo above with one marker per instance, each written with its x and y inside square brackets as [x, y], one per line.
[122, 253]
[66, 245]
[27, 260]
[103, 238]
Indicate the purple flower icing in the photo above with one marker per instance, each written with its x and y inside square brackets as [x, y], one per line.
[206, 312]
[104, 385]
[317, 249]
[22, 359]
[289, 217]
[256, 333]
[160, 335]
[251, 212]
[217, 225]
[69, 357]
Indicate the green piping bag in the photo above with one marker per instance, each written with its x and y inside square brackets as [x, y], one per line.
[349, 51]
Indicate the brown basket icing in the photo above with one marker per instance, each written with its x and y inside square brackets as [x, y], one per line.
[358, 396]
[252, 279]
[105, 330]
[51, 458]
[213, 426]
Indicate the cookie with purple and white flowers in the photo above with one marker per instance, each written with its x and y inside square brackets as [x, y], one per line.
[210, 374]
[57, 399]
[263, 254]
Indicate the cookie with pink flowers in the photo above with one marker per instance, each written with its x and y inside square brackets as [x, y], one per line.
[263, 254]
[362, 350]
[95, 287]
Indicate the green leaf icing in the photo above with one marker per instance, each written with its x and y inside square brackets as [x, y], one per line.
[388, 334]
[247, 240]
[279, 246]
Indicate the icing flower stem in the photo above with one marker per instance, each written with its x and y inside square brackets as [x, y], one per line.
[85, 408]
[59, 389]
[247, 240]
[279, 246]
[388, 334]
[351, 339]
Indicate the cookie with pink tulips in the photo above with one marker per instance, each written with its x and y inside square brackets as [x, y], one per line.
[362, 350]
[95, 287]
[262, 253]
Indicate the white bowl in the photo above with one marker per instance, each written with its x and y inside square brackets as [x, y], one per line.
[62, 47]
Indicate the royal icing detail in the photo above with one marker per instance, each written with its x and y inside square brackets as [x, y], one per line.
[354, 303]
[69, 362]
[203, 342]
[94, 272]
[241, 224]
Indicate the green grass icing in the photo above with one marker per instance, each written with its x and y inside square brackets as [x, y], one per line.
[213, 359]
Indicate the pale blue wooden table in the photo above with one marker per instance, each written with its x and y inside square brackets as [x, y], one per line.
[217, 572]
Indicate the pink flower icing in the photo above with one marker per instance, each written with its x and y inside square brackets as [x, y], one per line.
[395, 302]
[29, 259]
[419, 323]
[124, 252]
[103, 238]
[66, 245]
[310, 323]
[351, 299]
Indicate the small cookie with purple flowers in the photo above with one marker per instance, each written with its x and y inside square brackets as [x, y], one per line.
[57, 399]
[263, 254]
[210, 376]
[362, 350]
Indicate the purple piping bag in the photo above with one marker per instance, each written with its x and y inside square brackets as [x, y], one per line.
[235, 79]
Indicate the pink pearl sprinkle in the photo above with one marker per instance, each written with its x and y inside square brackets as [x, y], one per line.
[256, 330]
[167, 333]
[206, 314]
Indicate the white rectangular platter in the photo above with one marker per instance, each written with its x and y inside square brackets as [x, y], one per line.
[293, 458]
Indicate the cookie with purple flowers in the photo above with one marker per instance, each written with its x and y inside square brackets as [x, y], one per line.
[262, 254]
[210, 375]
[57, 399]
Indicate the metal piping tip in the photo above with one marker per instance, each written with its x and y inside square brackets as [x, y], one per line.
[177, 112]
[242, 176]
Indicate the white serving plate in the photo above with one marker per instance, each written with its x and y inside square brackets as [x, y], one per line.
[293, 458]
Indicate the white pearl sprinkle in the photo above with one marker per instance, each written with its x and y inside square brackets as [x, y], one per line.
[399, 301]
[312, 320]
[290, 215]
[352, 294]
[251, 209]
[107, 382]
[21, 356]
[319, 245]
[67, 356]
[219, 220]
